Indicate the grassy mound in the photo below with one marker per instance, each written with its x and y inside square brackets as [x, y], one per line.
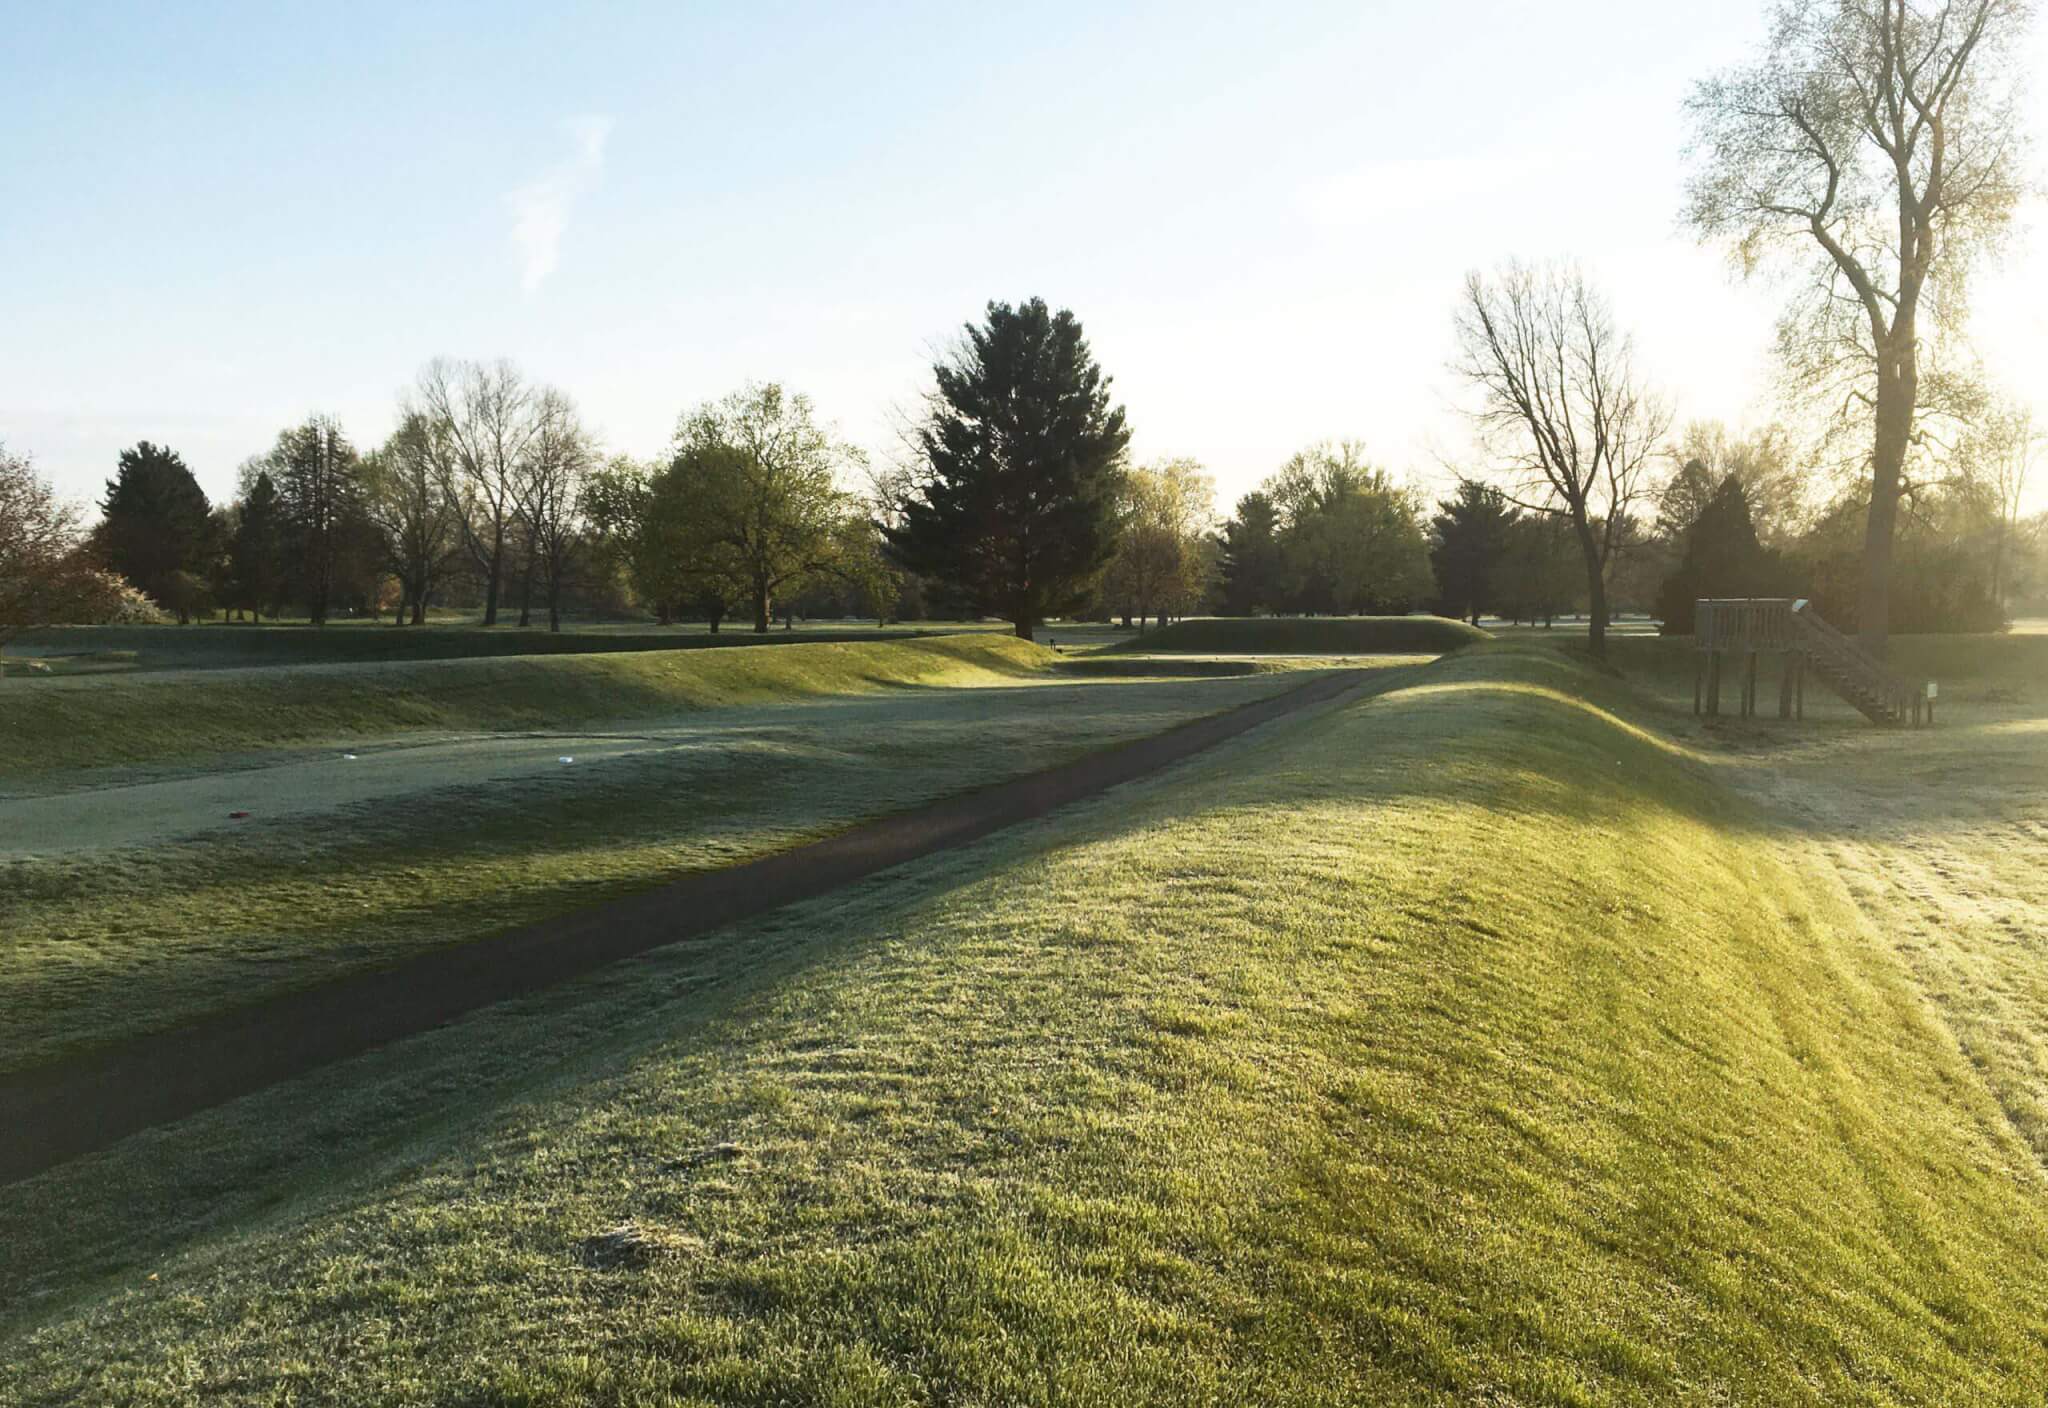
[58, 724]
[1309, 635]
[207, 647]
[1466, 1045]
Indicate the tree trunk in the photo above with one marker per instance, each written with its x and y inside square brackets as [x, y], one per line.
[761, 608]
[1897, 387]
[1596, 586]
[1024, 628]
[555, 604]
[526, 591]
[419, 609]
[496, 574]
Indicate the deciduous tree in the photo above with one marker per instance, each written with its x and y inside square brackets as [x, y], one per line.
[406, 497]
[1161, 566]
[46, 576]
[1882, 140]
[757, 478]
[319, 490]
[1562, 404]
[558, 461]
[490, 416]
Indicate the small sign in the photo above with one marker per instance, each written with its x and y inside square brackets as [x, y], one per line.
[1933, 690]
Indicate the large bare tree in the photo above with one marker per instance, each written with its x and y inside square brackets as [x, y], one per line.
[1880, 138]
[558, 461]
[1563, 406]
[406, 497]
[490, 415]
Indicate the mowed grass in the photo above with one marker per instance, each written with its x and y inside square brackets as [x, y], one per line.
[1308, 635]
[207, 646]
[1468, 1045]
[100, 946]
[1941, 833]
[59, 725]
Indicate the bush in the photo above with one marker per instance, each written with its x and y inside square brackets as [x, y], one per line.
[1311, 635]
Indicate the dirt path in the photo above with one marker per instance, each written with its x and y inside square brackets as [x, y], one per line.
[59, 1112]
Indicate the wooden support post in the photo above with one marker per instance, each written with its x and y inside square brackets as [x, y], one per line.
[1799, 686]
[1749, 685]
[1713, 684]
[1785, 683]
[1699, 680]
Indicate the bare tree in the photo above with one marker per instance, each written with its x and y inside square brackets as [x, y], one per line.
[1883, 138]
[1997, 461]
[45, 577]
[1562, 404]
[490, 416]
[558, 461]
[407, 499]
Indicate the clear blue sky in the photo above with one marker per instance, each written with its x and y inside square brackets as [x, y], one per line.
[221, 218]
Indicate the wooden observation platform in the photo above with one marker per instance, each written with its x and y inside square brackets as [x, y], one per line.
[1736, 631]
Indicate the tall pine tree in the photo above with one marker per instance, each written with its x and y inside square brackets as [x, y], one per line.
[1254, 571]
[256, 554]
[1722, 559]
[157, 521]
[1022, 458]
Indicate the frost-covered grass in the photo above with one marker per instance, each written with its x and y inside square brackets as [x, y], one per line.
[1468, 1045]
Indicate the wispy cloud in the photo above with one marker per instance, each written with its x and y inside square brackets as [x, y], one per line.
[540, 210]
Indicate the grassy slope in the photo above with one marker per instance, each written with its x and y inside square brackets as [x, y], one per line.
[65, 724]
[98, 947]
[1312, 635]
[1463, 1046]
[205, 646]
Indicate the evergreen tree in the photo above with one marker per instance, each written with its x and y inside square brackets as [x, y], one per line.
[1022, 459]
[1469, 538]
[1722, 559]
[157, 521]
[1253, 574]
[256, 553]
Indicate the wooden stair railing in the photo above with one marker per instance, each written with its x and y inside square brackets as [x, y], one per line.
[1737, 630]
[1877, 693]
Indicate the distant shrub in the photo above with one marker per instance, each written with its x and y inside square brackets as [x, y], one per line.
[1310, 635]
[124, 604]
